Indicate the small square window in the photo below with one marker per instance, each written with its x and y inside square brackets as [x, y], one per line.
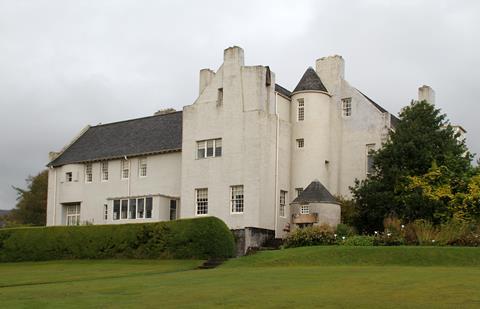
[305, 210]
[300, 143]
[68, 176]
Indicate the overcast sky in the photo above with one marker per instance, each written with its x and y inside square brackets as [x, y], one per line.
[65, 64]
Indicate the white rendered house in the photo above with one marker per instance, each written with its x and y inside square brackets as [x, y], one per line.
[243, 151]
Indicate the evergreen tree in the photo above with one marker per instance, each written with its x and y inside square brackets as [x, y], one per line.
[422, 138]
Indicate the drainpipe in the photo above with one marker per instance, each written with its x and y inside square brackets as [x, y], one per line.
[54, 195]
[277, 129]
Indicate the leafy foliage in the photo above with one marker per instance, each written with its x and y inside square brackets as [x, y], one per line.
[199, 238]
[311, 236]
[423, 138]
[31, 208]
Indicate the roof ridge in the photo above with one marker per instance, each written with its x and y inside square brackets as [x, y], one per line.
[133, 119]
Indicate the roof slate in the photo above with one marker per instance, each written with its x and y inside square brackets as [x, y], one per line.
[310, 81]
[148, 135]
[315, 193]
[283, 91]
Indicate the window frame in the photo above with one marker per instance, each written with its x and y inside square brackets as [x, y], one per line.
[125, 169]
[104, 171]
[305, 209]
[143, 207]
[204, 202]
[142, 167]
[347, 107]
[203, 145]
[237, 201]
[298, 191]
[68, 176]
[282, 203]
[300, 143]
[300, 109]
[368, 148]
[173, 207]
[75, 214]
[88, 172]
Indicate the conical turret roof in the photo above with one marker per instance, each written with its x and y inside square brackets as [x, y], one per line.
[315, 193]
[310, 81]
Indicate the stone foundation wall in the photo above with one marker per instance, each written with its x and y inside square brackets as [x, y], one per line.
[251, 237]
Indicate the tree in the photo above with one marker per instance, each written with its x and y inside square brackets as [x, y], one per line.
[422, 137]
[31, 207]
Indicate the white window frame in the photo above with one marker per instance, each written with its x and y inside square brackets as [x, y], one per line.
[104, 170]
[201, 201]
[125, 169]
[347, 107]
[300, 110]
[237, 199]
[72, 215]
[300, 143]
[105, 212]
[203, 144]
[304, 209]
[88, 172]
[282, 201]
[138, 215]
[368, 156]
[69, 177]
[142, 167]
[298, 191]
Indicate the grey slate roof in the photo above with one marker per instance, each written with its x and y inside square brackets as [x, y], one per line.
[315, 193]
[148, 135]
[310, 81]
[283, 91]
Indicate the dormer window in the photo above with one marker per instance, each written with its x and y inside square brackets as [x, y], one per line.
[347, 107]
[300, 110]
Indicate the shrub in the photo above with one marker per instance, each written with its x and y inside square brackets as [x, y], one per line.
[388, 239]
[199, 238]
[425, 232]
[311, 236]
[344, 230]
[359, 240]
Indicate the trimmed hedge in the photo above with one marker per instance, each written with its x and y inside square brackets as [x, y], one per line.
[200, 238]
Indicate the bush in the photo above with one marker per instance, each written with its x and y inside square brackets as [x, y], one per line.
[199, 238]
[344, 230]
[359, 240]
[311, 236]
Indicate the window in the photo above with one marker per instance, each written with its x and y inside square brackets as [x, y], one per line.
[347, 107]
[104, 170]
[105, 212]
[369, 161]
[209, 148]
[301, 110]
[68, 177]
[116, 209]
[134, 208]
[283, 198]
[173, 210]
[148, 207]
[202, 201]
[142, 167]
[298, 191]
[305, 209]
[220, 96]
[124, 210]
[72, 214]
[88, 172]
[300, 143]
[140, 208]
[236, 200]
[125, 169]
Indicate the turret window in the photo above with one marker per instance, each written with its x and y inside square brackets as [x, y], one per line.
[347, 107]
[301, 110]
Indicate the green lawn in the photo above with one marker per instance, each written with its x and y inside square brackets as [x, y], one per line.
[349, 277]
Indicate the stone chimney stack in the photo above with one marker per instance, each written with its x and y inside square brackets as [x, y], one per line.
[233, 56]
[426, 93]
[331, 71]
[206, 76]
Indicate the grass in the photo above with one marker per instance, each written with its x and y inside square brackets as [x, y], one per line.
[359, 277]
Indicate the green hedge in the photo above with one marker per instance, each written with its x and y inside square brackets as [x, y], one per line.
[199, 238]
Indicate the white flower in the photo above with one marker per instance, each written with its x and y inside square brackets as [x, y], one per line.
[403, 226]
[335, 235]
[433, 240]
[376, 232]
[343, 237]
